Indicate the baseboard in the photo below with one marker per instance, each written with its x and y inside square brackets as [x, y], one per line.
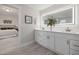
[26, 44]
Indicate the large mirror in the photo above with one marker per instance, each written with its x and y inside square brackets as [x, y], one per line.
[63, 17]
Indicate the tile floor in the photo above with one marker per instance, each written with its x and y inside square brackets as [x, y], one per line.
[32, 49]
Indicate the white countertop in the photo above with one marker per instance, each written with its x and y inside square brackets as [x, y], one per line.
[61, 31]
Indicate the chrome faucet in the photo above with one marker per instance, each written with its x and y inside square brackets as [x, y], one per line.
[68, 29]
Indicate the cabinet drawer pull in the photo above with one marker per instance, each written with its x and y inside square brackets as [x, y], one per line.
[76, 45]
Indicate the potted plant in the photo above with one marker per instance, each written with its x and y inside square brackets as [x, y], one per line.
[51, 22]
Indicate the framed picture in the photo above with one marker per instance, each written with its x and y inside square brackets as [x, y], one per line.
[28, 19]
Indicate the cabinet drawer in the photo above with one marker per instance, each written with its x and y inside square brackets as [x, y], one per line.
[67, 35]
[46, 35]
[60, 34]
[73, 36]
[74, 52]
[74, 44]
[39, 33]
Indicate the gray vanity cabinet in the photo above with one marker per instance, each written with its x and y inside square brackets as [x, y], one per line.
[61, 44]
[45, 39]
[49, 39]
[39, 37]
[74, 47]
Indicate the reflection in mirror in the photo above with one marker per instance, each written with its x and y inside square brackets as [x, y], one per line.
[62, 17]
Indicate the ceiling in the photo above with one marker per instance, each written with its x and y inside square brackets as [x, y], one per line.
[39, 6]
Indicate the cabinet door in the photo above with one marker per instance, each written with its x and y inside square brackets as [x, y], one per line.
[52, 41]
[46, 39]
[61, 45]
[39, 37]
[74, 52]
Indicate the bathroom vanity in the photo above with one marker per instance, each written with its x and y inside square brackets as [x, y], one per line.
[66, 43]
[60, 41]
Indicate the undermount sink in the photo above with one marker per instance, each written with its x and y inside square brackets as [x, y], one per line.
[68, 29]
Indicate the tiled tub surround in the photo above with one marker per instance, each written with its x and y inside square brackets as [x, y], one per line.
[61, 42]
[8, 44]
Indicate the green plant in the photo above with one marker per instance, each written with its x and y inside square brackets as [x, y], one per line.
[51, 21]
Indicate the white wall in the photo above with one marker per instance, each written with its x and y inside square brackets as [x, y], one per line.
[38, 21]
[77, 14]
[26, 31]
